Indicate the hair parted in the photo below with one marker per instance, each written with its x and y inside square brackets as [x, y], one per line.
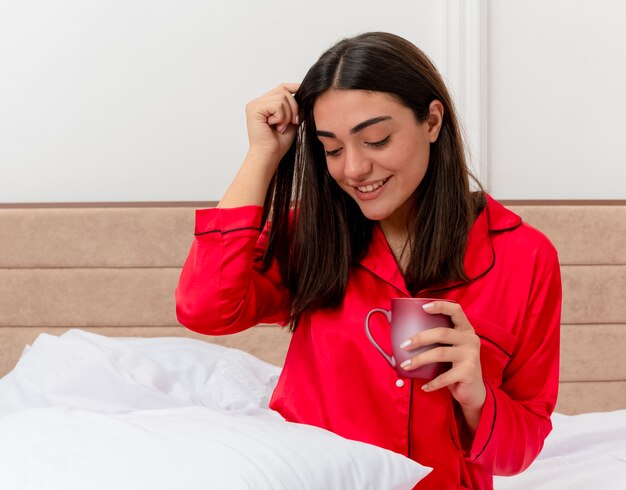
[317, 231]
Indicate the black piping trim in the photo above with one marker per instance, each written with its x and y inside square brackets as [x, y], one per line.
[408, 450]
[510, 228]
[493, 260]
[498, 346]
[498, 230]
[452, 437]
[460, 284]
[493, 423]
[228, 231]
[447, 288]
[384, 280]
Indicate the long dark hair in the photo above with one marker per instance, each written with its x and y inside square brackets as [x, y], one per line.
[317, 231]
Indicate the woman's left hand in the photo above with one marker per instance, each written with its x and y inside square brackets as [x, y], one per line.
[462, 349]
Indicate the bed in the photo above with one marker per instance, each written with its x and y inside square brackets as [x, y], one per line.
[101, 386]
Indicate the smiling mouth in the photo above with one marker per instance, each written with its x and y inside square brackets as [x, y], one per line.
[372, 187]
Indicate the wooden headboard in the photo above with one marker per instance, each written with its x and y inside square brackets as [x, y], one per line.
[112, 269]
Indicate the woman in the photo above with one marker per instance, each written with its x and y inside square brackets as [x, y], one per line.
[360, 170]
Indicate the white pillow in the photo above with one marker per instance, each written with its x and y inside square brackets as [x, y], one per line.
[167, 414]
[83, 370]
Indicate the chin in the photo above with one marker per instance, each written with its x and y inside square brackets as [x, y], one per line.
[374, 215]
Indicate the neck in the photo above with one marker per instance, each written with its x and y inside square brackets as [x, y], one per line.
[398, 241]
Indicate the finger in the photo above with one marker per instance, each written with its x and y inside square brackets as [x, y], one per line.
[437, 354]
[279, 114]
[290, 109]
[451, 309]
[291, 88]
[284, 93]
[449, 378]
[437, 335]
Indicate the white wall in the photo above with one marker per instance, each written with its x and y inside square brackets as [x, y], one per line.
[557, 99]
[144, 100]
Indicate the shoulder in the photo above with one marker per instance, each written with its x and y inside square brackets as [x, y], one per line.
[509, 230]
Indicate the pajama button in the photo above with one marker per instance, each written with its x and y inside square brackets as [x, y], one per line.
[399, 383]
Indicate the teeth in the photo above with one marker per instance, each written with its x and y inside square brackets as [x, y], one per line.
[372, 187]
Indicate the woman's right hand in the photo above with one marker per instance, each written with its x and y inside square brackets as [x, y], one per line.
[272, 122]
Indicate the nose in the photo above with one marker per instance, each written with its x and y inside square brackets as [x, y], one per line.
[356, 165]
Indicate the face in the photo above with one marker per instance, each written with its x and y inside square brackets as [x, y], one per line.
[375, 148]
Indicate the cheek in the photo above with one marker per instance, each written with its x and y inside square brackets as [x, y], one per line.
[335, 169]
[415, 158]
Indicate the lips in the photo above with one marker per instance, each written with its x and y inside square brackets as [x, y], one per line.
[372, 187]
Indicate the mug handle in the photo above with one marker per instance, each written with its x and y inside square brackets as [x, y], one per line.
[387, 313]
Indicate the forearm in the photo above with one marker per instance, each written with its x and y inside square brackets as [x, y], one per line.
[471, 416]
[249, 187]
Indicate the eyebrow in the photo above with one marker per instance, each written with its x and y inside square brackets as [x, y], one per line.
[359, 127]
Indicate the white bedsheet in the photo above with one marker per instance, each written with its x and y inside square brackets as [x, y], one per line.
[586, 451]
[85, 411]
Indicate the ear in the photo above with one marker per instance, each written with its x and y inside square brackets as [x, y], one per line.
[435, 120]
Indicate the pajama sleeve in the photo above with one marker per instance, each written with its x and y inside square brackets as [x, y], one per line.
[222, 288]
[515, 419]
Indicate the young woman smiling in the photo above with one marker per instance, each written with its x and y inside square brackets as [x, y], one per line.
[354, 191]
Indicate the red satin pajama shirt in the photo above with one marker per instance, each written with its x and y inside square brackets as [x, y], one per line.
[334, 378]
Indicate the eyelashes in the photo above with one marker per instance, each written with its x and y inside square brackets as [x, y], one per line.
[379, 144]
[373, 144]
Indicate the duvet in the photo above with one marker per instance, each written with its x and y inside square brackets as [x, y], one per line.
[86, 411]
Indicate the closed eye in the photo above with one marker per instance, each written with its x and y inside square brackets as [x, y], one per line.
[371, 144]
[332, 153]
[378, 144]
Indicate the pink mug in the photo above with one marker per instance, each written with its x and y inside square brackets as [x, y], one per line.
[406, 318]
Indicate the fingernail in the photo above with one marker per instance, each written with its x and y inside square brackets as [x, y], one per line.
[297, 119]
[405, 344]
[406, 364]
[281, 129]
[425, 387]
[428, 306]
